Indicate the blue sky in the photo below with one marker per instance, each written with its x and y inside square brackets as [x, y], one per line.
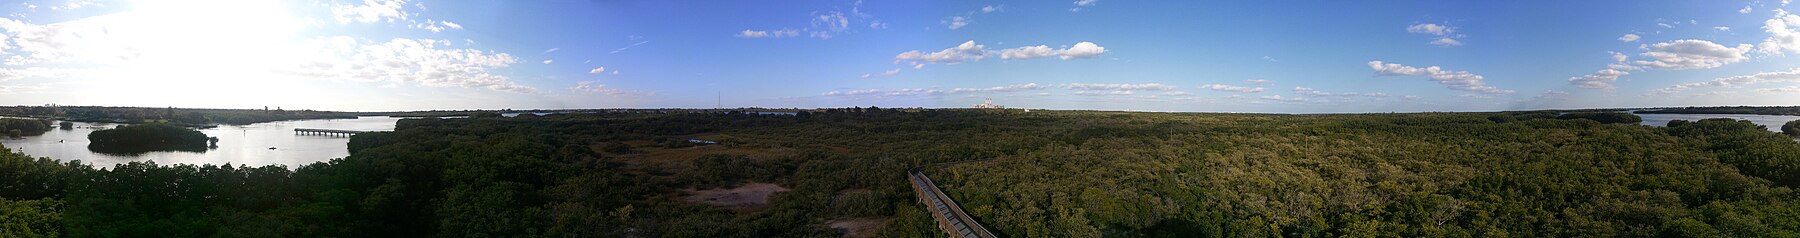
[1298, 56]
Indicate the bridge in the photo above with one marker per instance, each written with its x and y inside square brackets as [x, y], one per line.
[949, 216]
[327, 132]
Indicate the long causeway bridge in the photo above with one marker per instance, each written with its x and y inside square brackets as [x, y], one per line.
[949, 216]
[328, 132]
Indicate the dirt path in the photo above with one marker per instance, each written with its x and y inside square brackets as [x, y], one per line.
[751, 196]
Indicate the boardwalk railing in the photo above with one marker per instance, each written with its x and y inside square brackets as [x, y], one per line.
[331, 132]
[950, 217]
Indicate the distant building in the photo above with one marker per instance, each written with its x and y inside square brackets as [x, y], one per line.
[699, 141]
[989, 104]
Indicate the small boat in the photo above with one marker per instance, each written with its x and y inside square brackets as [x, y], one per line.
[271, 148]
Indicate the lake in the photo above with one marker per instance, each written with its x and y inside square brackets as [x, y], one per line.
[238, 144]
[1773, 122]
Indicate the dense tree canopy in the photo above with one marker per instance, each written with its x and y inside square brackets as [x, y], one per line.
[16, 127]
[1053, 174]
[1792, 128]
[140, 138]
[1603, 117]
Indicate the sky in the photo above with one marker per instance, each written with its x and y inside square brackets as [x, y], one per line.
[1205, 56]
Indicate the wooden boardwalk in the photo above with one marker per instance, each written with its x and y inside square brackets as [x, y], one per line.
[329, 132]
[950, 217]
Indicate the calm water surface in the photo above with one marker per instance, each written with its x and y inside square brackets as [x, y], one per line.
[1771, 121]
[238, 145]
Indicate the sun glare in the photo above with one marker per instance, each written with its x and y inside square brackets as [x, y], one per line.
[220, 47]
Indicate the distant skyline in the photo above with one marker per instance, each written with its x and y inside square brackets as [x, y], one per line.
[1286, 57]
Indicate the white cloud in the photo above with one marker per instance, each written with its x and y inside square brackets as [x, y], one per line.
[1279, 98]
[1766, 77]
[1429, 28]
[969, 51]
[547, 51]
[1692, 54]
[1028, 52]
[1458, 80]
[1271, 59]
[597, 70]
[596, 87]
[1082, 50]
[547, 61]
[826, 25]
[823, 24]
[641, 42]
[965, 52]
[370, 11]
[421, 61]
[783, 33]
[1446, 34]
[1784, 33]
[178, 46]
[1007, 88]
[1121, 87]
[1105, 93]
[1629, 37]
[1722, 28]
[1316, 93]
[957, 22]
[1446, 41]
[891, 72]
[1789, 89]
[1745, 10]
[436, 26]
[31, 73]
[1259, 81]
[1229, 88]
[1602, 79]
[1080, 4]
[76, 4]
[934, 91]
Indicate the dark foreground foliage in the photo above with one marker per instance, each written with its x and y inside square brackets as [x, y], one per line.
[1054, 174]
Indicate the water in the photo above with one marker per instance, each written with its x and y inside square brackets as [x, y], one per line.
[1773, 122]
[238, 145]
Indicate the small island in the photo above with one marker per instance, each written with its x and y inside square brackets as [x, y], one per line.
[137, 139]
[17, 127]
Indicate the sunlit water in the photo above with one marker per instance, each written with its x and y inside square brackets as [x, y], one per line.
[238, 145]
[1773, 122]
